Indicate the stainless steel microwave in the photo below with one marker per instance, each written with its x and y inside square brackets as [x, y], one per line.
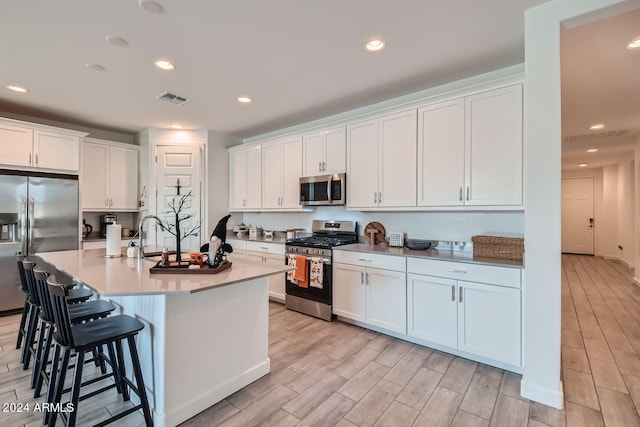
[324, 190]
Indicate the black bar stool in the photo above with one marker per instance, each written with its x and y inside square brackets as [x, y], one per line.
[76, 296]
[79, 313]
[84, 337]
[25, 311]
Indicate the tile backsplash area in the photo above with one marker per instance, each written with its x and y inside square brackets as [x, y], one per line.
[448, 226]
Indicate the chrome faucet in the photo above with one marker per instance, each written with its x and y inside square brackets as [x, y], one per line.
[140, 246]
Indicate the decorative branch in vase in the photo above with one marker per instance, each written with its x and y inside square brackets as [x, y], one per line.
[178, 208]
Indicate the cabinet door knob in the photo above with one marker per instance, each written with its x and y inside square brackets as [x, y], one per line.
[460, 194]
[375, 198]
[29, 158]
[453, 293]
[36, 159]
[366, 275]
[468, 193]
[460, 294]
[361, 277]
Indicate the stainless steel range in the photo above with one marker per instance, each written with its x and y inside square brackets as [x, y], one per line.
[311, 291]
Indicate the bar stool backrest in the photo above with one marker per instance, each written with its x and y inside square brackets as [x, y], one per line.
[31, 286]
[61, 317]
[46, 309]
[23, 279]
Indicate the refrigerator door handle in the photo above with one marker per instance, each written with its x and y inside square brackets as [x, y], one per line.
[31, 222]
[23, 225]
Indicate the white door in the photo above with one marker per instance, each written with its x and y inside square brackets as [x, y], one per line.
[335, 143]
[271, 175]
[432, 309]
[489, 321]
[493, 133]
[123, 178]
[94, 184]
[577, 216]
[56, 151]
[349, 291]
[363, 164]
[397, 185]
[441, 154]
[184, 163]
[291, 172]
[386, 299]
[312, 149]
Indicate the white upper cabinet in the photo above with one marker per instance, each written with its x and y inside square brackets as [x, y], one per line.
[470, 150]
[493, 147]
[324, 152]
[109, 179]
[32, 146]
[441, 154]
[245, 178]
[53, 150]
[381, 162]
[281, 171]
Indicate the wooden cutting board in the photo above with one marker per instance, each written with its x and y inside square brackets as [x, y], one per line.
[378, 237]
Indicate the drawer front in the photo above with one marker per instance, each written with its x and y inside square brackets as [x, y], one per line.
[268, 248]
[364, 259]
[238, 245]
[502, 276]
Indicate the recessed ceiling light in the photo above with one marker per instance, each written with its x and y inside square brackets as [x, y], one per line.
[151, 6]
[597, 127]
[17, 88]
[176, 126]
[118, 41]
[583, 165]
[634, 44]
[165, 64]
[244, 99]
[374, 45]
[94, 67]
[592, 150]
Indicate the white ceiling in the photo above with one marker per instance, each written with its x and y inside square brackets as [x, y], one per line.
[299, 61]
[600, 84]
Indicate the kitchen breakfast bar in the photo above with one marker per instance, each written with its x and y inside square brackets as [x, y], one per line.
[205, 335]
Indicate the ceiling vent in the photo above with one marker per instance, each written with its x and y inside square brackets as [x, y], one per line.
[174, 99]
[591, 136]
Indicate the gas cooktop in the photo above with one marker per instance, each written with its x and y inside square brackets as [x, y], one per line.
[327, 234]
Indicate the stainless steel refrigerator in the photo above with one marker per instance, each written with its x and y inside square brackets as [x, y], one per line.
[38, 213]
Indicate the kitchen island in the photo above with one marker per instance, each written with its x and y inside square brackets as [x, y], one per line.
[205, 335]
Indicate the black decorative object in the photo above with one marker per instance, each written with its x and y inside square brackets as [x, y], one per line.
[178, 187]
[218, 249]
[177, 208]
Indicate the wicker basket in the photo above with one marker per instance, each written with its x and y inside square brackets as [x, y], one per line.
[498, 247]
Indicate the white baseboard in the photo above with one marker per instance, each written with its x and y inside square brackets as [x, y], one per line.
[620, 260]
[553, 398]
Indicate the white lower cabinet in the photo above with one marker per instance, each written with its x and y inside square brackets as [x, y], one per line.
[478, 318]
[376, 296]
[270, 253]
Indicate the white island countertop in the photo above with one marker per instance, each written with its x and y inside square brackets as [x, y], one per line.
[130, 276]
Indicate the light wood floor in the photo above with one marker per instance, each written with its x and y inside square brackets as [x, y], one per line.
[335, 374]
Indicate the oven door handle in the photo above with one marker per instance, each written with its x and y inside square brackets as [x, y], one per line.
[325, 260]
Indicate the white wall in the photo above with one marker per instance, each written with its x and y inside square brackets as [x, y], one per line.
[542, 150]
[454, 226]
[626, 217]
[218, 180]
[636, 191]
[610, 217]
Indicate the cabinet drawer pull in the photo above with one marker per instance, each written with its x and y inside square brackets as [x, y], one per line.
[364, 260]
[453, 292]
[460, 294]
[453, 270]
[262, 247]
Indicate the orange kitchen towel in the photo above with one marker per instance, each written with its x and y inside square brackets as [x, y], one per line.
[316, 274]
[292, 263]
[302, 273]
